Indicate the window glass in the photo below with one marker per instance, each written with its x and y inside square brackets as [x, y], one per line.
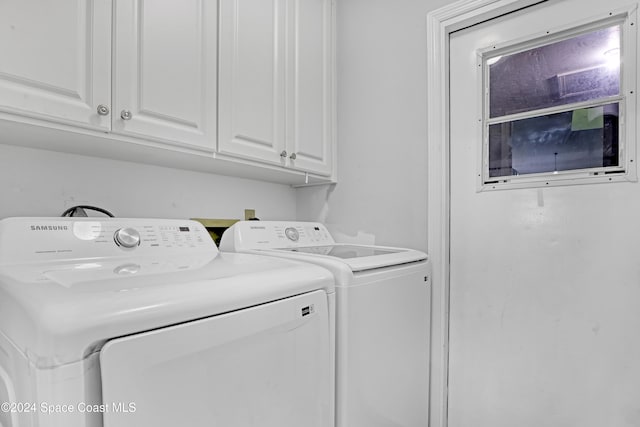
[578, 139]
[580, 68]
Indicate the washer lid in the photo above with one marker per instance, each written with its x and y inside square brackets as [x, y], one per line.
[344, 251]
[359, 257]
[60, 311]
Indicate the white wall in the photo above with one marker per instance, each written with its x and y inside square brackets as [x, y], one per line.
[381, 195]
[45, 183]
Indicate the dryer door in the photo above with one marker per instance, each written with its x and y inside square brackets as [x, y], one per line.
[268, 365]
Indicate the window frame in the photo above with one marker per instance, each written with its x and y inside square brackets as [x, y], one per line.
[626, 99]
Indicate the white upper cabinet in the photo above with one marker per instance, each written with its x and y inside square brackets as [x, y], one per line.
[236, 87]
[165, 70]
[55, 60]
[252, 71]
[310, 85]
[276, 82]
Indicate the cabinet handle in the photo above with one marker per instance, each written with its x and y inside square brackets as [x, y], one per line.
[126, 115]
[103, 110]
[283, 154]
[293, 156]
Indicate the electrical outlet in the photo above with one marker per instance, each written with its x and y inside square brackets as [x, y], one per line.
[249, 213]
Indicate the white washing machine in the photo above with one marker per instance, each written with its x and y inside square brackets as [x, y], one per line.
[382, 318]
[142, 322]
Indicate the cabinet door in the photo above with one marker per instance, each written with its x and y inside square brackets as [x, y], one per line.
[165, 70]
[55, 60]
[310, 85]
[252, 122]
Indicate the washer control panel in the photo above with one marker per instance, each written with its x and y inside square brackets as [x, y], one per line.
[245, 235]
[31, 239]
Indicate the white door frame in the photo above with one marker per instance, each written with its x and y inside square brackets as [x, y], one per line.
[440, 23]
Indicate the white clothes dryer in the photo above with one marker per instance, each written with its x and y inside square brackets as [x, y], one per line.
[142, 322]
[382, 318]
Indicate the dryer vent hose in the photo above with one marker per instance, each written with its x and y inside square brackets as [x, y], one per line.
[80, 211]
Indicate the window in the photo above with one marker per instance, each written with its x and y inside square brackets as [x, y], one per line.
[554, 107]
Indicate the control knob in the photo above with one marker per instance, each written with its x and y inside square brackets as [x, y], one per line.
[127, 238]
[292, 234]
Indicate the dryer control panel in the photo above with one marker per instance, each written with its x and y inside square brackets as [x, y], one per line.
[24, 240]
[245, 235]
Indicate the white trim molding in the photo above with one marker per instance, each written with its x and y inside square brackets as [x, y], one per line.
[440, 24]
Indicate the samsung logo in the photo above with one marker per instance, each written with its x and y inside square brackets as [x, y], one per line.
[49, 227]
